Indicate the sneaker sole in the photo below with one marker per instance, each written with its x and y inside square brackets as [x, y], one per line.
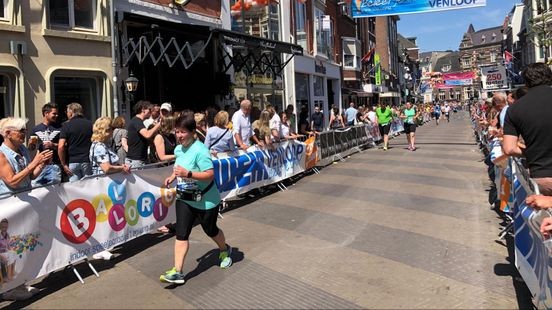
[162, 279]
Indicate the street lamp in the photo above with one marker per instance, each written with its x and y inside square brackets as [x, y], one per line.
[131, 85]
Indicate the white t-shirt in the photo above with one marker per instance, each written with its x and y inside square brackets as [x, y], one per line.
[446, 109]
[372, 116]
[276, 123]
[242, 126]
[284, 130]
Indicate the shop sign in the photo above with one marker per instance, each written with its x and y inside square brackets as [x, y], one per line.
[319, 67]
[261, 79]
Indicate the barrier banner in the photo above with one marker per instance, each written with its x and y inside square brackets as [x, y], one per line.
[532, 257]
[397, 126]
[311, 156]
[374, 131]
[368, 8]
[53, 226]
[259, 167]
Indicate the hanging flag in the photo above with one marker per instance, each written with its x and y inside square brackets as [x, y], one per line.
[368, 56]
[508, 57]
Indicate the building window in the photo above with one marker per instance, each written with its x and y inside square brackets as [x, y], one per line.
[493, 57]
[3, 9]
[346, 10]
[441, 94]
[351, 51]
[7, 89]
[300, 24]
[72, 13]
[324, 34]
[318, 86]
[483, 37]
[466, 62]
[261, 20]
[85, 90]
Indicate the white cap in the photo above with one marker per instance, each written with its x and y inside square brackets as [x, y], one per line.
[166, 106]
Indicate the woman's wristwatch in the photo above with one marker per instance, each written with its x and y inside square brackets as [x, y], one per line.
[189, 175]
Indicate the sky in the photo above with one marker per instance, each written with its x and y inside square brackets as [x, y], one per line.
[440, 31]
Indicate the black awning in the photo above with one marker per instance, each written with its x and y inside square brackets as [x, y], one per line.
[241, 39]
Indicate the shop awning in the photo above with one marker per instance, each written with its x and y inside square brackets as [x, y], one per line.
[356, 92]
[260, 54]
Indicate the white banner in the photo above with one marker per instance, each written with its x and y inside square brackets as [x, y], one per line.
[51, 227]
[494, 77]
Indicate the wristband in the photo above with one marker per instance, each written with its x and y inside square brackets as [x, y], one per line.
[189, 176]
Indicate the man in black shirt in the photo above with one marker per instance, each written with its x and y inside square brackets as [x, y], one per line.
[531, 117]
[46, 136]
[138, 135]
[317, 120]
[74, 144]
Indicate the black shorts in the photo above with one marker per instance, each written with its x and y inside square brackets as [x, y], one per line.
[186, 215]
[408, 128]
[384, 129]
[437, 115]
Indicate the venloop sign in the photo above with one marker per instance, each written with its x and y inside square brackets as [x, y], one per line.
[369, 8]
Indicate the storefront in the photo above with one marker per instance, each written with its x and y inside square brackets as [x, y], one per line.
[317, 82]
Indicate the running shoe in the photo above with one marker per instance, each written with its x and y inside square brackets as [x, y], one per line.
[225, 258]
[172, 276]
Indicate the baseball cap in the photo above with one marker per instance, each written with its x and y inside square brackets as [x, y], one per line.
[166, 106]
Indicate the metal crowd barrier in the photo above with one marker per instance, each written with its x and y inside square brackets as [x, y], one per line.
[335, 144]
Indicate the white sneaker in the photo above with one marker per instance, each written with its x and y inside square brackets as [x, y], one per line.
[105, 255]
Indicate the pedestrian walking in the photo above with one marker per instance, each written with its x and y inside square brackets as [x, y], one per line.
[197, 198]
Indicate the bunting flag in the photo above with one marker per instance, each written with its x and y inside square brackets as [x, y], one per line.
[508, 57]
[368, 56]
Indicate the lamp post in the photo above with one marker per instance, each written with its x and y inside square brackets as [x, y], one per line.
[131, 85]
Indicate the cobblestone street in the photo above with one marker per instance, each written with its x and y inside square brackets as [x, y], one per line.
[395, 229]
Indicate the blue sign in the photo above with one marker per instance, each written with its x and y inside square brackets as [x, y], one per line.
[459, 82]
[368, 8]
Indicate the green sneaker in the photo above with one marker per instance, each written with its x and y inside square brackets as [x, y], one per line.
[172, 276]
[225, 258]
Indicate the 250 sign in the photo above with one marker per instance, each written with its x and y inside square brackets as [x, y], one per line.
[494, 77]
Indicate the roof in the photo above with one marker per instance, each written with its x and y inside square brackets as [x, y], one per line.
[448, 63]
[405, 43]
[486, 36]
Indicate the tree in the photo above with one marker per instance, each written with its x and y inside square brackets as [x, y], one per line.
[540, 28]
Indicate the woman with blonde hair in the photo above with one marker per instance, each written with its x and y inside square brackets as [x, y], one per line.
[262, 128]
[201, 126]
[102, 158]
[165, 140]
[219, 137]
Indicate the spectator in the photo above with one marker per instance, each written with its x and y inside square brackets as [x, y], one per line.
[201, 126]
[500, 102]
[304, 124]
[317, 119]
[16, 167]
[46, 136]
[197, 198]
[210, 114]
[285, 130]
[263, 131]
[120, 140]
[103, 159]
[372, 117]
[336, 120]
[154, 117]
[530, 117]
[291, 117]
[242, 126]
[166, 109]
[275, 122]
[219, 137]
[350, 114]
[74, 144]
[520, 92]
[138, 135]
[165, 140]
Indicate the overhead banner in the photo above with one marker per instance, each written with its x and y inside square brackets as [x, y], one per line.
[494, 77]
[369, 8]
[458, 76]
[459, 82]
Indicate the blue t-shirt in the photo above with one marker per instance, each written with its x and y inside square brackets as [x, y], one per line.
[437, 109]
[197, 158]
[351, 113]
